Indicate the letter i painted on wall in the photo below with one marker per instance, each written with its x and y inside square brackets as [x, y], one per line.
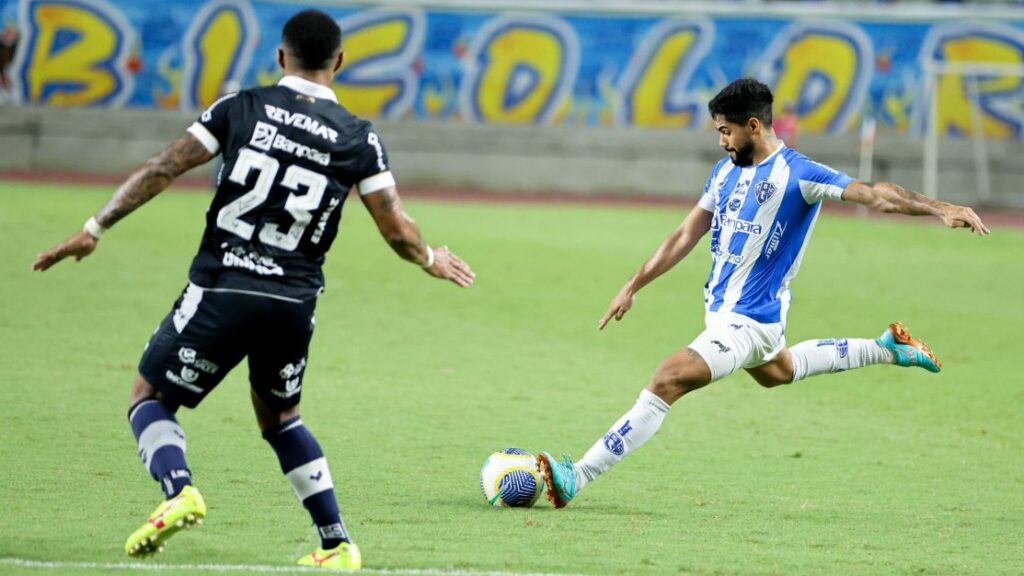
[218, 48]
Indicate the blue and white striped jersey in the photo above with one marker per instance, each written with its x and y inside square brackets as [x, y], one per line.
[763, 218]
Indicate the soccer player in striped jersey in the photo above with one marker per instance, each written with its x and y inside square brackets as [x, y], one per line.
[760, 204]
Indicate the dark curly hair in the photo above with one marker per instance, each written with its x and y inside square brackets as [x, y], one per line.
[743, 99]
[313, 38]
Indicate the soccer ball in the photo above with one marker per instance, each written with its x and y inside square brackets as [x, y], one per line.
[509, 479]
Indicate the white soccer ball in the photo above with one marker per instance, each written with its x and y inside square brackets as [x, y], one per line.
[509, 479]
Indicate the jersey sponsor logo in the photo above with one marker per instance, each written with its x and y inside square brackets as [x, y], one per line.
[716, 249]
[321, 225]
[725, 221]
[301, 121]
[764, 190]
[265, 137]
[775, 239]
[262, 265]
[734, 204]
[374, 140]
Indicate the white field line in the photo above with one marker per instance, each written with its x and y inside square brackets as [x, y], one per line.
[228, 568]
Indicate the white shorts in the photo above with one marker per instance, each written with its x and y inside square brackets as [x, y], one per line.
[732, 341]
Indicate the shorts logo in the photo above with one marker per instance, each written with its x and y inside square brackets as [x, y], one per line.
[186, 355]
[175, 379]
[613, 442]
[263, 136]
[722, 348]
[764, 190]
[291, 370]
[291, 388]
[189, 375]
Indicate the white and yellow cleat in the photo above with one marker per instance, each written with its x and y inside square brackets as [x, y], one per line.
[345, 557]
[185, 510]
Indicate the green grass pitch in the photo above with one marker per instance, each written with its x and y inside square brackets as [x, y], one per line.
[412, 383]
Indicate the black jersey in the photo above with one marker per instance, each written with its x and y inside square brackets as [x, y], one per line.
[291, 154]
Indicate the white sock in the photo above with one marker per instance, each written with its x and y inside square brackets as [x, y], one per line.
[626, 435]
[814, 357]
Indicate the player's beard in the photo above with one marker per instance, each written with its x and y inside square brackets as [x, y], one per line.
[744, 155]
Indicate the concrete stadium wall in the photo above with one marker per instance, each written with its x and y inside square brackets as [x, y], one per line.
[532, 159]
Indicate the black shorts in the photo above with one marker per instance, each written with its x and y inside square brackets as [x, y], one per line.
[209, 332]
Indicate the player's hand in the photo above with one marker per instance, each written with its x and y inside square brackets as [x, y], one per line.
[448, 266]
[621, 304]
[80, 244]
[963, 217]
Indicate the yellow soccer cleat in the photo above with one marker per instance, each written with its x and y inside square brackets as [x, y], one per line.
[183, 511]
[344, 557]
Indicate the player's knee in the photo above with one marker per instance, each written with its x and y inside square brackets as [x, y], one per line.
[670, 385]
[771, 381]
[143, 390]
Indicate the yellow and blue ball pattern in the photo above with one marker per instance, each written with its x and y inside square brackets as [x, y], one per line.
[509, 479]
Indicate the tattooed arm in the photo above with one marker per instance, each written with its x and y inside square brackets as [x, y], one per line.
[153, 177]
[403, 235]
[889, 197]
[149, 180]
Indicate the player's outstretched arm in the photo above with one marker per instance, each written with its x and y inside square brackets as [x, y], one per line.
[402, 233]
[149, 180]
[678, 244]
[889, 197]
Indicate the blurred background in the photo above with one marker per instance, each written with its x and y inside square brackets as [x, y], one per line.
[556, 96]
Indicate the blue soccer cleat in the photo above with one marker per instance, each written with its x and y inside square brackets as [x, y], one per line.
[559, 477]
[908, 350]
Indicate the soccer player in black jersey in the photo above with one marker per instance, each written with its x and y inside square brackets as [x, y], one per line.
[291, 153]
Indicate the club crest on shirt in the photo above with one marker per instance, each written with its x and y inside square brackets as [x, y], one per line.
[764, 190]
